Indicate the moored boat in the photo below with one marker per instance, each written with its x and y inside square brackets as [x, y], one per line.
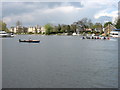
[115, 33]
[4, 34]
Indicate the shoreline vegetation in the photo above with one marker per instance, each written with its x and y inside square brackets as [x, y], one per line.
[82, 27]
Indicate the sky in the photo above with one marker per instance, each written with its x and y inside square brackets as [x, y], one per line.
[32, 13]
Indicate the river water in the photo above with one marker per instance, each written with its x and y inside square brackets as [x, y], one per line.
[59, 62]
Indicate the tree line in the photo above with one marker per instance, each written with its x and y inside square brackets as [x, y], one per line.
[78, 26]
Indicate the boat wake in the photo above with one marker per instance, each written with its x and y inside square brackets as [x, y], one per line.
[113, 40]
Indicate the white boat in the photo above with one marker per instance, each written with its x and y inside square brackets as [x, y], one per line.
[74, 34]
[115, 33]
[4, 34]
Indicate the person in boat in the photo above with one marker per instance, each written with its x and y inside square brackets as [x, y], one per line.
[97, 37]
[88, 37]
[92, 37]
[104, 38]
[83, 37]
[30, 39]
[108, 38]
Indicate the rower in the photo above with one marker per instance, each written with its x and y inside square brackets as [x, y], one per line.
[30, 39]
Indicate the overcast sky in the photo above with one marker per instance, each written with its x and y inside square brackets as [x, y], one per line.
[41, 13]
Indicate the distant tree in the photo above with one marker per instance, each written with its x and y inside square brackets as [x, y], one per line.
[63, 28]
[18, 23]
[25, 30]
[68, 28]
[19, 27]
[48, 29]
[118, 24]
[107, 23]
[3, 26]
[90, 24]
[35, 30]
[86, 23]
[73, 28]
[55, 29]
[59, 28]
[82, 24]
[98, 27]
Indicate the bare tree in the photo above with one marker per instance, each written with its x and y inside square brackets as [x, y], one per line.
[18, 23]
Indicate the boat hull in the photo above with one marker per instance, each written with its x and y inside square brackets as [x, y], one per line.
[30, 41]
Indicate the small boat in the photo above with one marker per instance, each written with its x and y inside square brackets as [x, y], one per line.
[87, 37]
[5, 34]
[29, 41]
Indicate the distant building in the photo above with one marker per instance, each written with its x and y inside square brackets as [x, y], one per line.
[25, 30]
[31, 29]
[42, 30]
[19, 29]
[12, 29]
[34, 29]
[16, 29]
[38, 29]
[88, 29]
[98, 29]
[80, 27]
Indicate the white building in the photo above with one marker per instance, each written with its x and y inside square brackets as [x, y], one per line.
[31, 30]
[42, 30]
[13, 29]
[36, 29]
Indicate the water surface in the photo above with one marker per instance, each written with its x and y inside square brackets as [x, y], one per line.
[60, 62]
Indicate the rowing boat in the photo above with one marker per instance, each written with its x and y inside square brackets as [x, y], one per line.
[29, 41]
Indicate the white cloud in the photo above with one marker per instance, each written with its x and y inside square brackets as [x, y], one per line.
[105, 13]
[64, 9]
[7, 20]
[39, 13]
[13, 18]
[62, 14]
